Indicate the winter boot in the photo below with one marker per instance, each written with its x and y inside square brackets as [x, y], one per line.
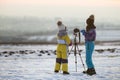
[86, 71]
[91, 71]
[56, 71]
[64, 72]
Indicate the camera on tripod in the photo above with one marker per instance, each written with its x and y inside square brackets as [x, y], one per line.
[76, 49]
[77, 33]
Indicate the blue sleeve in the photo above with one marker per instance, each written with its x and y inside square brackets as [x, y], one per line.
[83, 32]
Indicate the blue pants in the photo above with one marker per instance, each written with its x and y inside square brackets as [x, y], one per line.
[89, 50]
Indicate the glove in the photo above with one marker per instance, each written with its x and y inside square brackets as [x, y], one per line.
[70, 43]
[83, 32]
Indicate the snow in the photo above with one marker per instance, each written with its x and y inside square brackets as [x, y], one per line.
[26, 63]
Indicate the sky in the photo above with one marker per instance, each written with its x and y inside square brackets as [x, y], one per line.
[60, 8]
[104, 10]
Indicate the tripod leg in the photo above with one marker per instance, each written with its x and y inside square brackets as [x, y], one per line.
[81, 59]
[76, 63]
[70, 51]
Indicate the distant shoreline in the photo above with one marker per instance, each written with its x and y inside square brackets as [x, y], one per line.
[116, 42]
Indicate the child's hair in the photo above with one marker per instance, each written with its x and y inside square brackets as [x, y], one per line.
[91, 16]
[90, 23]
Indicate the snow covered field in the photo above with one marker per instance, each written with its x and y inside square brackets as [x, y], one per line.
[36, 62]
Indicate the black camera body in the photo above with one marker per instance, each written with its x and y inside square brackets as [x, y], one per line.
[77, 32]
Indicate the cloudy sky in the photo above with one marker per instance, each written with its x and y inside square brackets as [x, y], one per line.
[104, 10]
[60, 8]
